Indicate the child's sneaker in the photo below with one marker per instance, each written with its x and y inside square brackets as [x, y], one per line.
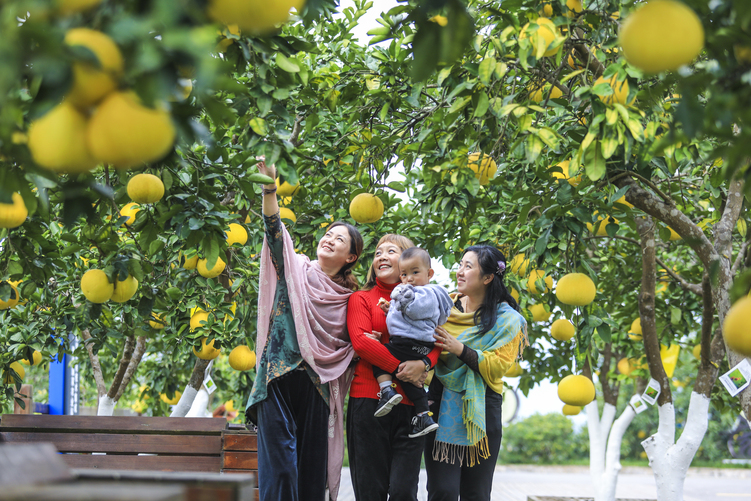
[422, 425]
[388, 399]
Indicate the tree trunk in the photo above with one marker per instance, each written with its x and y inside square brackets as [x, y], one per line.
[191, 389]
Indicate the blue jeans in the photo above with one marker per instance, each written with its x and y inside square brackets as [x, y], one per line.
[292, 440]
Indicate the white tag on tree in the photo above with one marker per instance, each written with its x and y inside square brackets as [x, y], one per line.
[651, 392]
[638, 404]
[738, 378]
[210, 385]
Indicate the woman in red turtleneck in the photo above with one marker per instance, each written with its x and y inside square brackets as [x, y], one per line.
[384, 462]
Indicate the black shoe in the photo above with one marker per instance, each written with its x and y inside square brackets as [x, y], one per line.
[422, 425]
[388, 399]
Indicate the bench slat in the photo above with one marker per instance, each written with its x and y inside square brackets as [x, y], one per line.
[156, 463]
[121, 443]
[113, 424]
[239, 460]
[244, 442]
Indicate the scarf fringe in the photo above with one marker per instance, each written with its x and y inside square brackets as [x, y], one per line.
[467, 455]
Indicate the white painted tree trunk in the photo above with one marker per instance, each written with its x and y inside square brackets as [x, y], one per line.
[185, 402]
[669, 459]
[106, 406]
[605, 438]
[200, 404]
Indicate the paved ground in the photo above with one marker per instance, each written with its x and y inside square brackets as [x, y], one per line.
[515, 483]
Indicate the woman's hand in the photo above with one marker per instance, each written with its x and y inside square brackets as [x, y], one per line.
[265, 169]
[447, 341]
[412, 371]
[373, 335]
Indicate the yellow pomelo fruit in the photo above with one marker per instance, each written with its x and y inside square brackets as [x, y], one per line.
[571, 410]
[366, 208]
[36, 359]
[539, 94]
[546, 11]
[674, 235]
[623, 201]
[539, 313]
[208, 352]
[14, 214]
[72, 6]
[742, 53]
[484, 168]
[697, 352]
[255, 16]
[247, 218]
[564, 165]
[576, 390]
[213, 272]
[12, 300]
[742, 227]
[236, 234]
[735, 328]
[602, 225]
[285, 189]
[196, 317]
[625, 366]
[285, 213]
[536, 275]
[57, 140]
[620, 91]
[663, 35]
[229, 405]
[171, 401]
[96, 286]
[547, 32]
[514, 371]
[190, 262]
[130, 210]
[519, 265]
[514, 294]
[91, 83]
[124, 133]
[125, 289]
[19, 370]
[576, 289]
[145, 188]
[573, 7]
[636, 327]
[562, 329]
[669, 357]
[241, 358]
[157, 321]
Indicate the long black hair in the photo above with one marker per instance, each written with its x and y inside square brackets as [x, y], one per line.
[492, 262]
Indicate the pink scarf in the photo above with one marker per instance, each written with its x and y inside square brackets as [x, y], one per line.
[319, 308]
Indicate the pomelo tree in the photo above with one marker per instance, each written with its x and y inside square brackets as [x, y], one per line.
[520, 125]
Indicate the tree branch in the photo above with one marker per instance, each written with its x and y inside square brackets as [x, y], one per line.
[739, 259]
[132, 366]
[88, 342]
[609, 391]
[124, 362]
[296, 129]
[586, 56]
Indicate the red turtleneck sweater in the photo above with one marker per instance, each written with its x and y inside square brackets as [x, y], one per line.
[365, 316]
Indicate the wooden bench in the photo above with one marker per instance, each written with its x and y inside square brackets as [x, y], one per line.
[130, 443]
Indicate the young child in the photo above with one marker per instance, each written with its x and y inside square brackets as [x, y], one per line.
[416, 309]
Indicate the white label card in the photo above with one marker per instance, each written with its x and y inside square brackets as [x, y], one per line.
[210, 385]
[738, 378]
[651, 392]
[637, 404]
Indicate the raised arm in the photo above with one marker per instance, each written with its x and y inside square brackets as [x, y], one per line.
[270, 205]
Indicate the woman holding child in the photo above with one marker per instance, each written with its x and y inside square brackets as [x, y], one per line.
[384, 461]
[302, 373]
[482, 338]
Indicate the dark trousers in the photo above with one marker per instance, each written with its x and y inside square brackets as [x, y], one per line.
[383, 461]
[449, 482]
[292, 441]
[404, 349]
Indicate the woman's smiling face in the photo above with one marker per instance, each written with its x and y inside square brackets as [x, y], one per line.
[469, 278]
[386, 262]
[334, 247]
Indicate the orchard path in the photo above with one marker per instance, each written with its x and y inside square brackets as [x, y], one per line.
[515, 483]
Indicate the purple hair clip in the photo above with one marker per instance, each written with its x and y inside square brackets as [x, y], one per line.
[501, 266]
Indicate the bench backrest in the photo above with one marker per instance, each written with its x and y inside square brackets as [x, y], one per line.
[164, 443]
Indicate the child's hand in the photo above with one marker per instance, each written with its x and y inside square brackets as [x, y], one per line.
[384, 305]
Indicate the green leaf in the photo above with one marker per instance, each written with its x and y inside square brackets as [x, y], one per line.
[594, 162]
[288, 65]
[459, 104]
[258, 125]
[396, 186]
[174, 293]
[482, 105]
[486, 69]
[675, 315]
[259, 178]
